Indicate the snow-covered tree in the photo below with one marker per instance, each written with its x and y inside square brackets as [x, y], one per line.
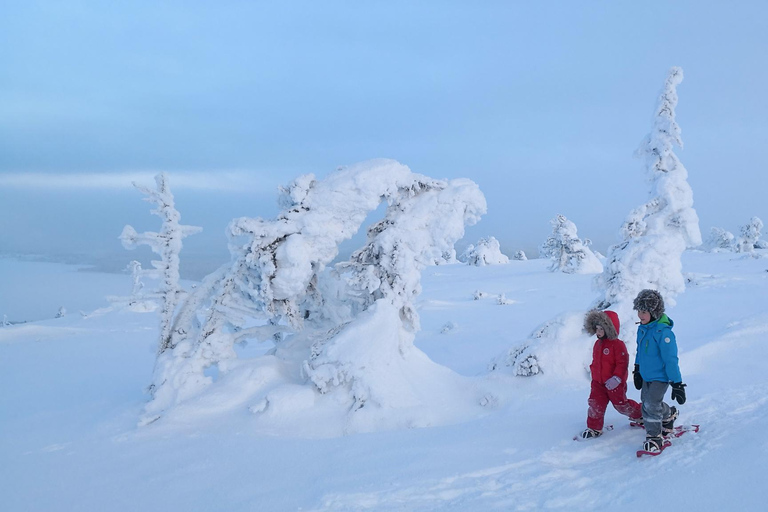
[62, 312]
[486, 252]
[750, 236]
[719, 240]
[568, 253]
[137, 284]
[384, 280]
[139, 300]
[654, 235]
[520, 255]
[327, 326]
[166, 243]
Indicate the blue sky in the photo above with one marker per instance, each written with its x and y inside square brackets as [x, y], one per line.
[541, 103]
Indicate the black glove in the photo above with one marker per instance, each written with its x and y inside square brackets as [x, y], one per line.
[678, 392]
[637, 377]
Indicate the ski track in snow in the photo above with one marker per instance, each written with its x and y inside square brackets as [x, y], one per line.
[569, 475]
[24, 333]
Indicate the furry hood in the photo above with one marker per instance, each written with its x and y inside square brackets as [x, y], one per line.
[608, 320]
[650, 301]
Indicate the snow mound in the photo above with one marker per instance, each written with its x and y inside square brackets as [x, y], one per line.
[552, 348]
[486, 252]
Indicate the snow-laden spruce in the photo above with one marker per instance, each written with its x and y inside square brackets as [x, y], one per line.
[346, 333]
[567, 251]
[748, 240]
[719, 240]
[166, 243]
[654, 235]
[750, 236]
[487, 251]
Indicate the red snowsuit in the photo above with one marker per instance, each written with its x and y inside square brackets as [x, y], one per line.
[610, 358]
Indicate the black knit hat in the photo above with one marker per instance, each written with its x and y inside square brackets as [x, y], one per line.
[650, 301]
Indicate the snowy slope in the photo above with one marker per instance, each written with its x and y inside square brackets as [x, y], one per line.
[72, 394]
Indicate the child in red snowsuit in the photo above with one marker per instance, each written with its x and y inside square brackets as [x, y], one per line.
[610, 364]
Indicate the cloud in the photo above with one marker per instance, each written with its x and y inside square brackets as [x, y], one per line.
[229, 181]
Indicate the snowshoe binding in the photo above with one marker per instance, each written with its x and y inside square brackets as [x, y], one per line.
[668, 425]
[653, 446]
[591, 433]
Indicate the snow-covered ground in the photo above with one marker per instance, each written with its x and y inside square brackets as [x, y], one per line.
[73, 393]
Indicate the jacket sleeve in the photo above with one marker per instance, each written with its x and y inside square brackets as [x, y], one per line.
[637, 353]
[668, 352]
[622, 361]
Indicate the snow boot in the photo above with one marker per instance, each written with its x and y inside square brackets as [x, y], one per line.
[653, 445]
[591, 433]
[636, 422]
[668, 425]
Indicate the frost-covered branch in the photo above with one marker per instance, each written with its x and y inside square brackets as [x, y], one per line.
[167, 244]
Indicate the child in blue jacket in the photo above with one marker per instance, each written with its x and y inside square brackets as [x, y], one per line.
[656, 367]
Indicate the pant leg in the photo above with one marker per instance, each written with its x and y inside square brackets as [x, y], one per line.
[625, 406]
[598, 401]
[654, 408]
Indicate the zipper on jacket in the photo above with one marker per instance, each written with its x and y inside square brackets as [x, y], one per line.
[645, 332]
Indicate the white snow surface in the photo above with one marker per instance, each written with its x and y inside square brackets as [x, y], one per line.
[73, 393]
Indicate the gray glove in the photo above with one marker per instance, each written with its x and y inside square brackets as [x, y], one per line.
[612, 383]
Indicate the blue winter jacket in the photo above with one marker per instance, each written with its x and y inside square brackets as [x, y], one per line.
[657, 351]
